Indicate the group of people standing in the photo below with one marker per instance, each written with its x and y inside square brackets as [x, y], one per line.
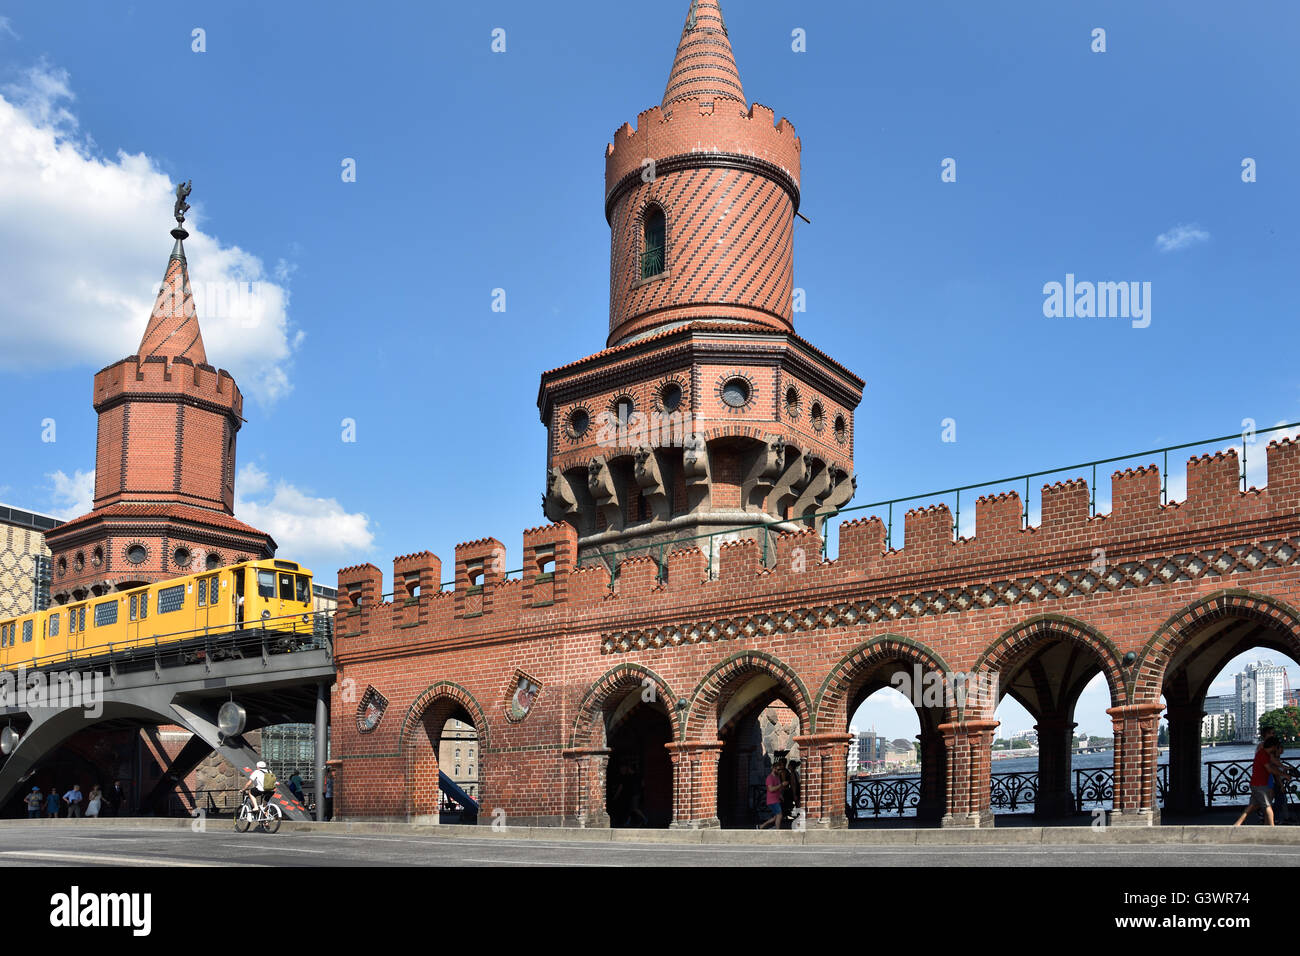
[784, 795]
[74, 804]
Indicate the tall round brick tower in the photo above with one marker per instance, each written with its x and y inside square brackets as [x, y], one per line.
[164, 461]
[705, 411]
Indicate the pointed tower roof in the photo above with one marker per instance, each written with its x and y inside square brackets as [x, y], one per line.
[173, 330]
[705, 66]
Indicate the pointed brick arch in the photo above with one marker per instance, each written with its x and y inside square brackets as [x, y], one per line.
[1008, 650]
[717, 686]
[1159, 651]
[628, 676]
[832, 699]
[453, 694]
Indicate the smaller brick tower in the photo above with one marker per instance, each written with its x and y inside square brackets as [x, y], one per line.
[164, 461]
[705, 411]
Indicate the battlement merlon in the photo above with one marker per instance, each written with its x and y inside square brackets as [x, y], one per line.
[694, 128]
[551, 575]
[155, 376]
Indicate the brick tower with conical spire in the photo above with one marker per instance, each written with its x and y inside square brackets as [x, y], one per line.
[164, 460]
[705, 411]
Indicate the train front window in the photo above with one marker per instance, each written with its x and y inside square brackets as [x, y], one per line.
[304, 589]
[286, 587]
[266, 584]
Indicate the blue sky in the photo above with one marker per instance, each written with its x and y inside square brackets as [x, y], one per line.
[479, 170]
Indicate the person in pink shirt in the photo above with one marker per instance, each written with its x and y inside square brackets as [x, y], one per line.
[774, 785]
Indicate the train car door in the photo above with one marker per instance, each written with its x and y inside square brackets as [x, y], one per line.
[241, 576]
[133, 616]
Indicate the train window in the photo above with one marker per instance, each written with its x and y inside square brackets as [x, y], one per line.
[171, 599]
[304, 589]
[54, 625]
[144, 605]
[134, 600]
[27, 632]
[203, 592]
[105, 613]
[81, 618]
[266, 584]
[286, 587]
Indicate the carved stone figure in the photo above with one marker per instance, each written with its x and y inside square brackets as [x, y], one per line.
[763, 472]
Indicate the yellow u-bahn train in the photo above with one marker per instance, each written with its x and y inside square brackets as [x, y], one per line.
[268, 594]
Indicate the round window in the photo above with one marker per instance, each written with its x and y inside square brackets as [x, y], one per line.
[735, 392]
[623, 409]
[818, 416]
[63, 565]
[181, 557]
[78, 562]
[792, 402]
[579, 421]
[97, 557]
[136, 554]
[670, 396]
[213, 561]
[841, 429]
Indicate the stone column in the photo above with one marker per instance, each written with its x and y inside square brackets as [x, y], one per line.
[695, 784]
[824, 779]
[1055, 759]
[1185, 793]
[588, 767]
[1136, 754]
[970, 751]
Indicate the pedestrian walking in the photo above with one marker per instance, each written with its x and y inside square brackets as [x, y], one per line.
[52, 803]
[73, 799]
[773, 800]
[34, 801]
[295, 785]
[1264, 766]
[329, 794]
[117, 799]
[796, 790]
[95, 803]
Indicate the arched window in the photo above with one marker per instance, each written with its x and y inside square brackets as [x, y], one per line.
[652, 253]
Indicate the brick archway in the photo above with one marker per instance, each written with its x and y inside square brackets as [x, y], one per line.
[430, 711]
[1011, 649]
[1163, 646]
[620, 678]
[830, 708]
[727, 676]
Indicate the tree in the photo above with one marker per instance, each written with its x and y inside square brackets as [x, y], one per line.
[1283, 723]
[1162, 738]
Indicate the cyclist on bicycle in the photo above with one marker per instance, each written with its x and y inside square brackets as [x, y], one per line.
[262, 783]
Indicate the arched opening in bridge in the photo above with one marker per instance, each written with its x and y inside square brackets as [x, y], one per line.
[1054, 692]
[896, 758]
[445, 771]
[757, 724]
[639, 780]
[1228, 679]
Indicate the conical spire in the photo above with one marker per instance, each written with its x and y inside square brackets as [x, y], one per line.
[173, 330]
[705, 66]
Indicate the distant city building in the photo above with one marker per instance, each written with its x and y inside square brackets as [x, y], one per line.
[1260, 688]
[24, 561]
[1216, 726]
[1225, 704]
[1029, 735]
[458, 755]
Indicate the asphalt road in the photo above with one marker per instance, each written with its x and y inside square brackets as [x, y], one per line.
[220, 845]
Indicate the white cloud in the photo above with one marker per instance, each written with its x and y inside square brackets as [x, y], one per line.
[72, 496]
[6, 27]
[86, 244]
[1180, 237]
[304, 527]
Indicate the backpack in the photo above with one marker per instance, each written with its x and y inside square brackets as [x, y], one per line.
[268, 781]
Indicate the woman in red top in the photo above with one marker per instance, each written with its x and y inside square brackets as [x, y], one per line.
[1266, 762]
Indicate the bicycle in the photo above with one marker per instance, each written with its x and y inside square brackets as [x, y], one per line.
[267, 818]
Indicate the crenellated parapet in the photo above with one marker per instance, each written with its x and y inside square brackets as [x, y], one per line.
[1108, 550]
[158, 378]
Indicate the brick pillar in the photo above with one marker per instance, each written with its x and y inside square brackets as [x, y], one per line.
[970, 751]
[934, 776]
[1137, 800]
[1055, 760]
[1185, 793]
[588, 768]
[823, 768]
[695, 784]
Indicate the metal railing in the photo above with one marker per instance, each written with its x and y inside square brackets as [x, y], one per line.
[1230, 779]
[614, 557]
[264, 637]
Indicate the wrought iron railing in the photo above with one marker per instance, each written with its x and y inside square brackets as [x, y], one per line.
[763, 529]
[1230, 779]
[883, 795]
[1013, 791]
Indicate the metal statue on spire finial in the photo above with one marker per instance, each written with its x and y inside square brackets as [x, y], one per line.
[181, 208]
